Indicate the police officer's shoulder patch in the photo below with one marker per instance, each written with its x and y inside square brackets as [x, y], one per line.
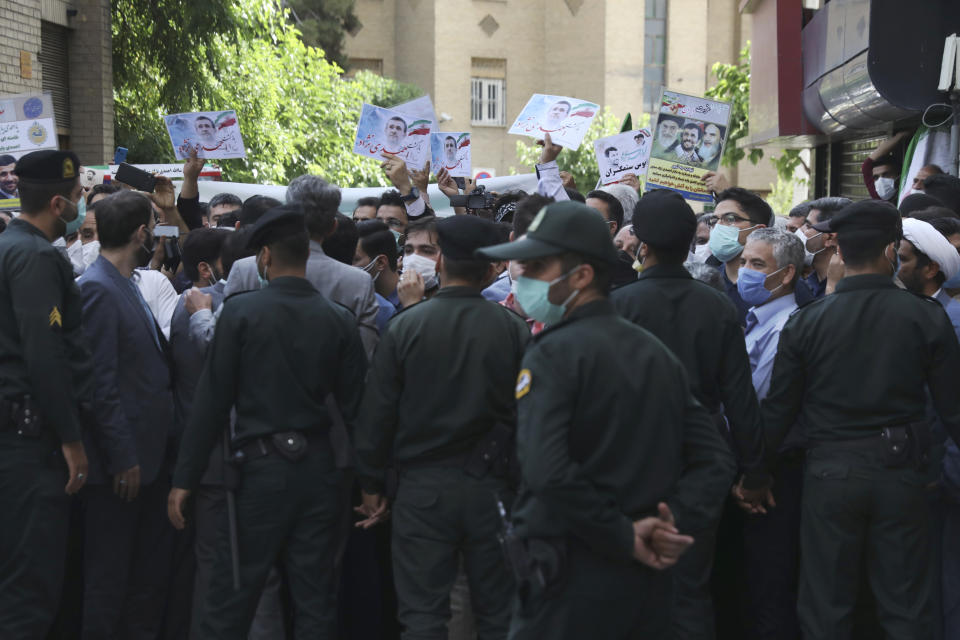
[56, 319]
[523, 383]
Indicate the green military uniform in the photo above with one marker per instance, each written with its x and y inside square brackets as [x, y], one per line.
[441, 379]
[701, 327]
[608, 427]
[848, 366]
[276, 354]
[42, 357]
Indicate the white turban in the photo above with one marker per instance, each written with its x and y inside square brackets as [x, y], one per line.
[927, 240]
[627, 196]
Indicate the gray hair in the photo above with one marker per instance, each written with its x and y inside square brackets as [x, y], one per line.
[787, 248]
[705, 273]
[319, 199]
[626, 195]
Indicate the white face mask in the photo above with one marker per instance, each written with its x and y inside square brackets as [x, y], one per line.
[426, 267]
[75, 253]
[885, 187]
[701, 252]
[807, 256]
[90, 252]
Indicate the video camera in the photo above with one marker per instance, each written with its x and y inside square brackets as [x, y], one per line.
[476, 199]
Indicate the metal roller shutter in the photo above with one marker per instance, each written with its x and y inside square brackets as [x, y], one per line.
[55, 67]
[851, 157]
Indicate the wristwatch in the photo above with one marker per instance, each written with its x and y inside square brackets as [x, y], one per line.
[413, 195]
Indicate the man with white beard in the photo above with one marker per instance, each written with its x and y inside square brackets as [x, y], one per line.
[710, 146]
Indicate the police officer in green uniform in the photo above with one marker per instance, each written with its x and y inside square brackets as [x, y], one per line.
[702, 328]
[610, 439]
[440, 408]
[41, 364]
[276, 355]
[854, 367]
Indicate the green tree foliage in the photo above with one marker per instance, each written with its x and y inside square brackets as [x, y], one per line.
[733, 86]
[582, 163]
[297, 113]
[322, 24]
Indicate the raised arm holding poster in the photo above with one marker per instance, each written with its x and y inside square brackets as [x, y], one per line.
[623, 153]
[688, 142]
[451, 151]
[565, 119]
[386, 131]
[214, 134]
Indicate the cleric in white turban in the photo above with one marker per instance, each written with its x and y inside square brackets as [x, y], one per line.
[927, 259]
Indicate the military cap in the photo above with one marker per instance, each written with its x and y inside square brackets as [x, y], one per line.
[663, 219]
[560, 227]
[49, 165]
[866, 215]
[276, 224]
[460, 236]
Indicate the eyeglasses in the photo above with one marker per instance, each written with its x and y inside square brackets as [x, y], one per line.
[731, 218]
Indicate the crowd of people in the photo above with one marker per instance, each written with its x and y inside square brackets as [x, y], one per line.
[566, 415]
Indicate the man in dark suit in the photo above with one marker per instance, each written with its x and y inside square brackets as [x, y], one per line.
[128, 546]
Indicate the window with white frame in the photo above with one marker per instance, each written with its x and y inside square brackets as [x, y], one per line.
[488, 102]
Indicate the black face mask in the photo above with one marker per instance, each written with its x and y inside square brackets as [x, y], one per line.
[623, 272]
[145, 251]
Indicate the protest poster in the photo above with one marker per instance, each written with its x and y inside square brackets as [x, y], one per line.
[91, 175]
[565, 119]
[27, 124]
[623, 153]
[214, 134]
[451, 151]
[687, 143]
[384, 131]
[419, 109]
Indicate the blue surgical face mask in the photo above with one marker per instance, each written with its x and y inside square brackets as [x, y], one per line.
[533, 297]
[751, 286]
[262, 277]
[725, 242]
[74, 225]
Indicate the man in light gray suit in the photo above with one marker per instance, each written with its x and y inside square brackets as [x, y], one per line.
[346, 285]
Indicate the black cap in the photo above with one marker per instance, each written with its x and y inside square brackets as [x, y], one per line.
[662, 218]
[558, 228]
[49, 165]
[276, 224]
[866, 215]
[460, 236]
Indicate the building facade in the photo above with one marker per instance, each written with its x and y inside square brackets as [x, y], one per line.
[63, 48]
[480, 60]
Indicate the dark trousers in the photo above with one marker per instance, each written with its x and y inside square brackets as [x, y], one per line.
[595, 597]
[128, 556]
[210, 509]
[287, 512]
[33, 537]
[440, 515]
[859, 517]
[950, 564]
[771, 548]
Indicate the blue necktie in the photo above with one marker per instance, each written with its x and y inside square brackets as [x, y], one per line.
[751, 321]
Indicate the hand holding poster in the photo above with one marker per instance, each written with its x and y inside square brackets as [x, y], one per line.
[386, 131]
[623, 153]
[451, 151]
[214, 134]
[688, 142]
[565, 119]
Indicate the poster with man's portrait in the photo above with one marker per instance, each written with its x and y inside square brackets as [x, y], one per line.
[688, 140]
[565, 119]
[384, 131]
[623, 153]
[214, 134]
[451, 151]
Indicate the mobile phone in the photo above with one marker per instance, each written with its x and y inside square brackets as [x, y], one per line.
[120, 155]
[137, 178]
[171, 255]
[166, 231]
[461, 183]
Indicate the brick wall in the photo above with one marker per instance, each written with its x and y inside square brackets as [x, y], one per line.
[91, 70]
